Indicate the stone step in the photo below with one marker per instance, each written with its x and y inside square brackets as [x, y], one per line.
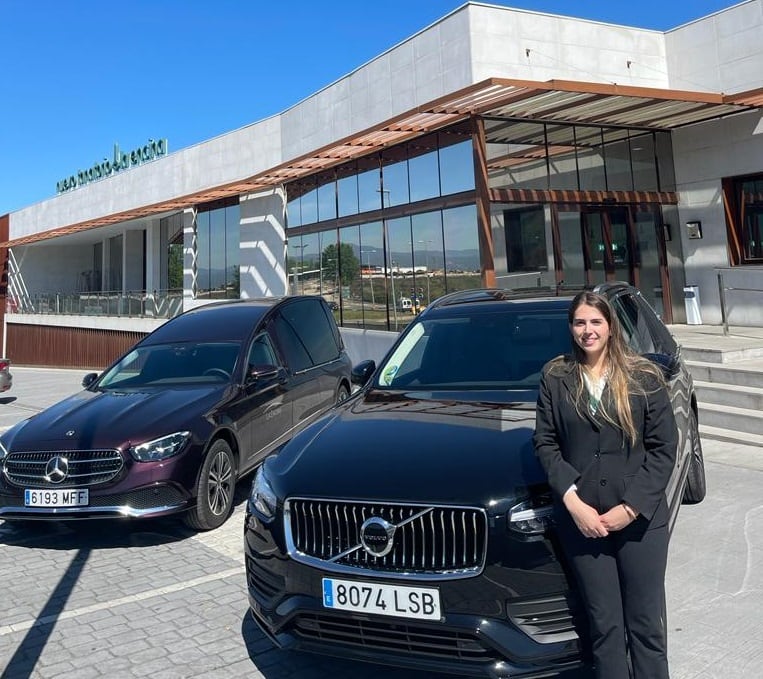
[750, 398]
[720, 355]
[747, 374]
[730, 436]
[728, 417]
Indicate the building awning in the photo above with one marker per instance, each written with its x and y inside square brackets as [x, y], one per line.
[559, 101]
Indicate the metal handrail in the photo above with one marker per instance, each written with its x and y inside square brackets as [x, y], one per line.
[722, 290]
[131, 303]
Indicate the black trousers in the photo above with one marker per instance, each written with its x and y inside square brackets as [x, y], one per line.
[622, 582]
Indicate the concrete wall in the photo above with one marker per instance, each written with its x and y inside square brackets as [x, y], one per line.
[703, 155]
[534, 46]
[722, 52]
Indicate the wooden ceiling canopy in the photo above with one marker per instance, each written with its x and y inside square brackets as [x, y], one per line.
[559, 101]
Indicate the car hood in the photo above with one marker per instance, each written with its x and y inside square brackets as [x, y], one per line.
[402, 447]
[96, 419]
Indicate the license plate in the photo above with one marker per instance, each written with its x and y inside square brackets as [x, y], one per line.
[422, 603]
[60, 497]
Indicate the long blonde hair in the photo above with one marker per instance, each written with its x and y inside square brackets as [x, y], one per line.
[626, 369]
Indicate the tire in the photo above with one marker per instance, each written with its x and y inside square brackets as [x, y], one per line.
[342, 394]
[214, 489]
[696, 487]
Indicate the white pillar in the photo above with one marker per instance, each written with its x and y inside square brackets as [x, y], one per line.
[263, 244]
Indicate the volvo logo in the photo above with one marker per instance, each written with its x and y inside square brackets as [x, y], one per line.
[56, 469]
[377, 536]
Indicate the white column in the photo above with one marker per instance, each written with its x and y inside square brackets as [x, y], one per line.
[263, 244]
[190, 254]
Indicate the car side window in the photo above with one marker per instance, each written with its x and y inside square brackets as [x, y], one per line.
[634, 324]
[262, 352]
[305, 328]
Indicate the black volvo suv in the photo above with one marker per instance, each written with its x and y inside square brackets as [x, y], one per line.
[411, 525]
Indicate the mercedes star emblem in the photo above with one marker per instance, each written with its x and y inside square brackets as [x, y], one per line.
[56, 469]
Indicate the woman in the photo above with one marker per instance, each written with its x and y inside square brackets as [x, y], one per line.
[606, 436]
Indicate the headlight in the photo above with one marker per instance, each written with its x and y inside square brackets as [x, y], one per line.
[262, 497]
[160, 449]
[3, 452]
[531, 517]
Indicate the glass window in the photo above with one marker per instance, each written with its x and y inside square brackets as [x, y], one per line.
[665, 168]
[232, 251]
[428, 256]
[643, 162]
[461, 248]
[423, 168]
[203, 285]
[456, 167]
[326, 195]
[516, 154]
[399, 270]
[217, 253]
[617, 158]
[590, 158]
[306, 332]
[338, 266]
[369, 189]
[115, 263]
[395, 177]
[262, 352]
[571, 247]
[347, 190]
[562, 157]
[374, 281]
[525, 229]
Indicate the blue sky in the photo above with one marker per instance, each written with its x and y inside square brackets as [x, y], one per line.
[80, 76]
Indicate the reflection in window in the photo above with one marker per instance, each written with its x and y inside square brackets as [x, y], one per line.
[525, 230]
[461, 248]
[217, 247]
[590, 158]
[533, 155]
[347, 190]
[423, 168]
[456, 167]
[326, 195]
[618, 160]
[395, 176]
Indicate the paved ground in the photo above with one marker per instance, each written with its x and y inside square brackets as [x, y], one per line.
[154, 599]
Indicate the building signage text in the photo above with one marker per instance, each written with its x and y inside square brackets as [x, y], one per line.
[121, 160]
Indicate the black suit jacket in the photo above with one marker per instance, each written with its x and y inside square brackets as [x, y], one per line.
[595, 455]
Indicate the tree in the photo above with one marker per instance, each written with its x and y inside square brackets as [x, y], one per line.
[346, 261]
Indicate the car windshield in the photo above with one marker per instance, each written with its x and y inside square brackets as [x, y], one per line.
[483, 351]
[176, 363]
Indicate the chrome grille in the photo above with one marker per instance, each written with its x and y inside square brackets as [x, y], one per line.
[428, 540]
[85, 468]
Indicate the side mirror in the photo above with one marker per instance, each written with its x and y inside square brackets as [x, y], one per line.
[362, 372]
[262, 371]
[669, 364]
[88, 379]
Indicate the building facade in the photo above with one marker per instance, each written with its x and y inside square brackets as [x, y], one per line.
[496, 147]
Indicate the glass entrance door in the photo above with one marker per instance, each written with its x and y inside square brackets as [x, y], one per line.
[597, 243]
[606, 240]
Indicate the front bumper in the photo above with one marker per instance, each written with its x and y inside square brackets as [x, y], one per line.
[485, 630]
[158, 499]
